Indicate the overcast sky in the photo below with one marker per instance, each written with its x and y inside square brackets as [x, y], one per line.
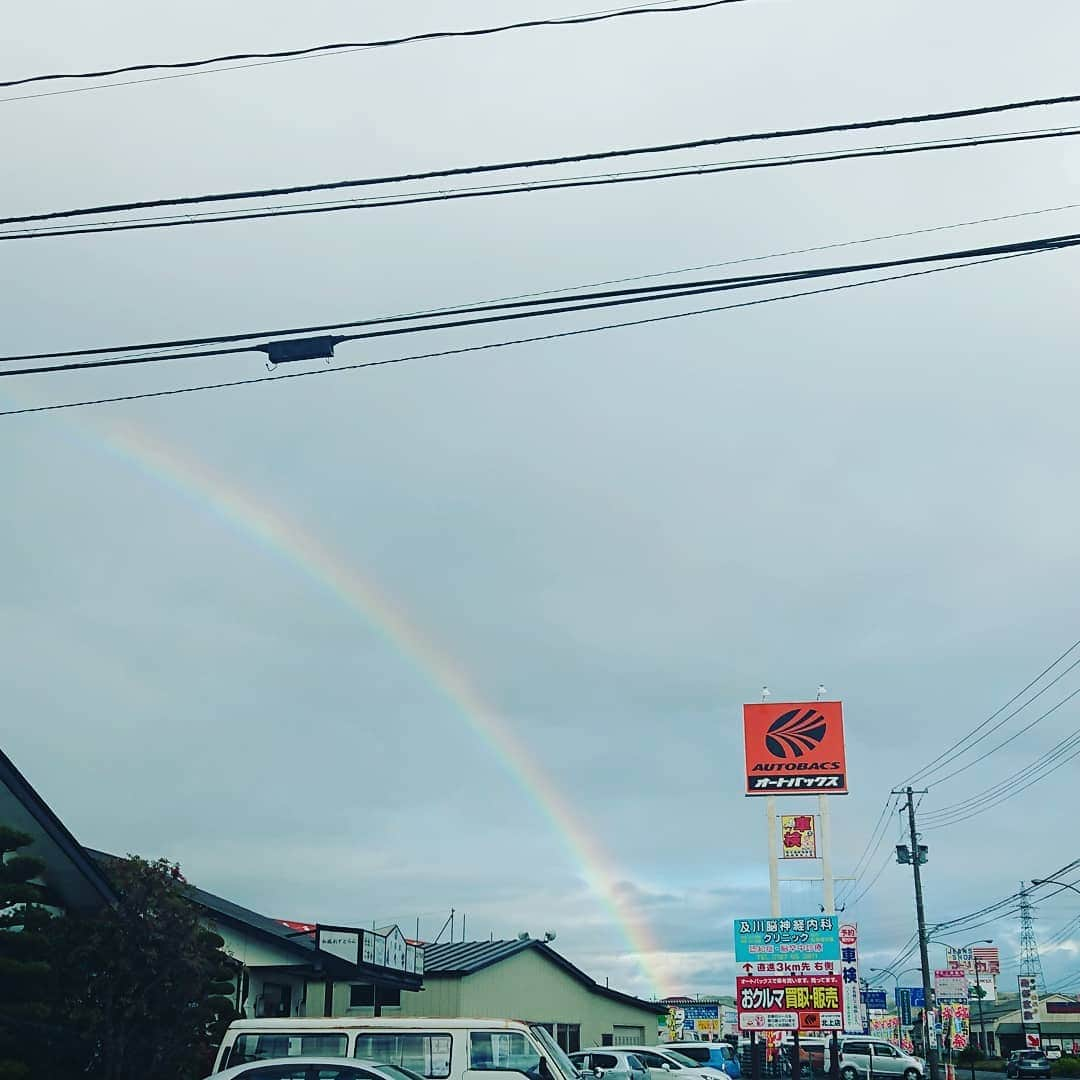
[617, 539]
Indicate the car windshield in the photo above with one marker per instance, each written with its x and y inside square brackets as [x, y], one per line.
[396, 1072]
[555, 1053]
[1032, 1055]
[680, 1059]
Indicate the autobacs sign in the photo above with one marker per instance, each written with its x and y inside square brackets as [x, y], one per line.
[794, 747]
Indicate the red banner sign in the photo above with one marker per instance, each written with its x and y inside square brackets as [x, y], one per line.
[795, 748]
[789, 1002]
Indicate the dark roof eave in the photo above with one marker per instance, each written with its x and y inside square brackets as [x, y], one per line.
[55, 829]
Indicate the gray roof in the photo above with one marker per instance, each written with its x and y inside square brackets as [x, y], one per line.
[302, 945]
[463, 958]
[72, 874]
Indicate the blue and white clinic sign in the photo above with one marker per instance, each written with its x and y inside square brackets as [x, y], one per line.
[796, 938]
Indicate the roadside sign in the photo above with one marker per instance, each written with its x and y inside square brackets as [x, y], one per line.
[955, 1019]
[875, 1000]
[789, 1002]
[986, 957]
[795, 747]
[950, 984]
[849, 973]
[1029, 1000]
[798, 836]
[799, 939]
[1032, 1040]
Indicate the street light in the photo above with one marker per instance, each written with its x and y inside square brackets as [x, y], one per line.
[978, 994]
[1051, 881]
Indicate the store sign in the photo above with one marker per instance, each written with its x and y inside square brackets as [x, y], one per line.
[789, 1002]
[395, 949]
[795, 747]
[1029, 1000]
[849, 974]
[798, 836]
[986, 957]
[343, 943]
[701, 1019]
[798, 939]
[1032, 1040]
[950, 984]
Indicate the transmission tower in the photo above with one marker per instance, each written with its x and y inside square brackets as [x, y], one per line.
[1030, 961]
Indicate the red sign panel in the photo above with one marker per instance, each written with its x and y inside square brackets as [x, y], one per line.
[794, 748]
[789, 1002]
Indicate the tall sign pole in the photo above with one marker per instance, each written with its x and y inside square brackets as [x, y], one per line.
[828, 884]
[774, 857]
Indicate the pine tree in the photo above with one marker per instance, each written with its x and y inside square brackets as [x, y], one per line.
[26, 926]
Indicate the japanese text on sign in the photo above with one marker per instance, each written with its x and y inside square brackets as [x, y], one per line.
[801, 938]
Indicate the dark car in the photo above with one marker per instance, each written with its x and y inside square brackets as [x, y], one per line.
[1024, 1063]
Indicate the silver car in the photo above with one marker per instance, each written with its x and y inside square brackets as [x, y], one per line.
[611, 1063]
[862, 1058]
[315, 1068]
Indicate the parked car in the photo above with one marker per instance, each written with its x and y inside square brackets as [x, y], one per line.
[434, 1049]
[312, 1068]
[860, 1057]
[663, 1062]
[612, 1063]
[1023, 1063]
[717, 1055]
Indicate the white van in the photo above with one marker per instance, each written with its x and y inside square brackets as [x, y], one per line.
[460, 1049]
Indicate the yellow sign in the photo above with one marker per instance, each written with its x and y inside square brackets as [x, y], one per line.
[798, 836]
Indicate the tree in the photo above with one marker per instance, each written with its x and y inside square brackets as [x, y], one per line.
[145, 985]
[25, 934]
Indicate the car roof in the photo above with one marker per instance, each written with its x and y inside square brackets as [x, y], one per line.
[327, 1062]
[375, 1023]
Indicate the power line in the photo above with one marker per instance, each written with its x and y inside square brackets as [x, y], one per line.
[496, 313]
[522, 188]
[146, 395]
[917, 776]
[858, 870]
[1006, 790]
[342, 46]
[1016, 735]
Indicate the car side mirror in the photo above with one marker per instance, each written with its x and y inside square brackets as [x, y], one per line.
[666, 1066]
[598, 1073]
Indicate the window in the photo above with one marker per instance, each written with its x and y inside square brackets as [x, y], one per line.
[885, 1050]
[635, 1062]
[387, 995]
[255, 1047]
[652, 1061]
[698, 1053]
[426, 1054]
[604, 1061]
[508, 1051]
[275, 1000]
[361, 995]
[855, 1048]
[568, 1036]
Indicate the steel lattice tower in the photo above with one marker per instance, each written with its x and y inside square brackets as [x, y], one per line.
[1030, 961]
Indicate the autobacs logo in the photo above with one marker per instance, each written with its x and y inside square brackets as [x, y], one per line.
[792, 735]
[794, 746]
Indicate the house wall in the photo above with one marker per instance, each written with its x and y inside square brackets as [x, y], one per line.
[528, 986]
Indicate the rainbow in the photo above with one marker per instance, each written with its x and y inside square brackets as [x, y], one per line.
[277, 533]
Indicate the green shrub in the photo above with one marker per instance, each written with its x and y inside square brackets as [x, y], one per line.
[1065, 1066]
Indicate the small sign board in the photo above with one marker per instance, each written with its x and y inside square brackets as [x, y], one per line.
[875, 1000]
[798, 836]
[950, 984]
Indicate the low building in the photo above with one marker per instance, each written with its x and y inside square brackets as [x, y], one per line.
[528, 980]
[1059, 1024]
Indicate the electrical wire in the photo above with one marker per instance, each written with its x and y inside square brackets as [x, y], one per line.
[916, 777]
[351, 46]
[1005, 793]
[483, 314]
[456, 194]
[1012, 738]
[858, 870]
[146, 395]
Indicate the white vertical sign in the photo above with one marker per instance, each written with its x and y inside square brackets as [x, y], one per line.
[849, 971]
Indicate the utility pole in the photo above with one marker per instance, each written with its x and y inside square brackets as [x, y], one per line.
[924, 945]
